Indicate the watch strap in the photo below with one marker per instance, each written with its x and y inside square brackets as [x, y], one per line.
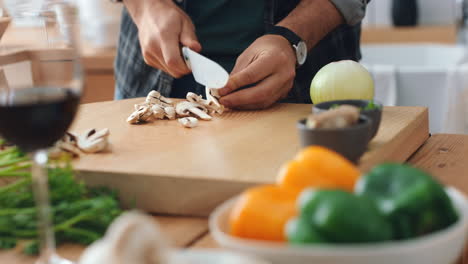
[292, 37]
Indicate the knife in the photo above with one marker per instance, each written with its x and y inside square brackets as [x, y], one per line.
[205, 71]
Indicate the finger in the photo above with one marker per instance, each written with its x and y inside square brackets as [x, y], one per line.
[261, 96]
[241, 63]
[153, 57]
[285, 93]
[150, 52]
[256, 71]
[155, 63]
[152, 60]
[173, 61]
[188, 37]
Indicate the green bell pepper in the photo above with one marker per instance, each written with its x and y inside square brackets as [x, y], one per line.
[299, 231]
[341, 217]
[414, 202]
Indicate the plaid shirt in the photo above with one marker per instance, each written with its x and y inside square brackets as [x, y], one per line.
[134, 78]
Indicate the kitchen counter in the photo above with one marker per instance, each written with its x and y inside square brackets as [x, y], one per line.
[420, 34]
[98, 64]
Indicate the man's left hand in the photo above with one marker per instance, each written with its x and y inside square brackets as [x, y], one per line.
[269, 64]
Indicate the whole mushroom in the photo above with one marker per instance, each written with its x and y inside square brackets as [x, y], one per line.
[132, 238]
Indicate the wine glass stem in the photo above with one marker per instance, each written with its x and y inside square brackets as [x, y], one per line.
[41, 193]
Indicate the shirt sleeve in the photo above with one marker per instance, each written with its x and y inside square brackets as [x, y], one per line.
[353, 11]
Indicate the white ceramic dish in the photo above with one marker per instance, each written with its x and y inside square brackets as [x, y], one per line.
[443, 247]
[212, 257]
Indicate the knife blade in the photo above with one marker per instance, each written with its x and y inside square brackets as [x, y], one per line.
[205, 71]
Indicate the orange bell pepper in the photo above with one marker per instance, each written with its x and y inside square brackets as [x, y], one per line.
[319, 167]
[262, 212]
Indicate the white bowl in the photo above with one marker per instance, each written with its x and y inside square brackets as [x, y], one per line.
[442, 247]
[212, 257]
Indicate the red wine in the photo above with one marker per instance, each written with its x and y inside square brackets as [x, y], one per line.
[35, 118]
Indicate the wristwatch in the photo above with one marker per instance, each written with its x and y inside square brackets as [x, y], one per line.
[299, 46]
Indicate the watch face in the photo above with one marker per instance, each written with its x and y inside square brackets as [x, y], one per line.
[301, 52]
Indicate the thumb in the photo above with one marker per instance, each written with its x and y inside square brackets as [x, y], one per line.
[189, 39]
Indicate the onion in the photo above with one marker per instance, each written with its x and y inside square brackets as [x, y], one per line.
[342, 80]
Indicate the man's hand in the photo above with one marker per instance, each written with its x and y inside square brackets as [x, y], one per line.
[270, 62]
[270, 65]
[162, 28]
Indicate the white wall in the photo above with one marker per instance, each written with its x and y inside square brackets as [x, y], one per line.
[431, 12]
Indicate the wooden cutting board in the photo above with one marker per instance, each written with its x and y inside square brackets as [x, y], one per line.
[165, 168]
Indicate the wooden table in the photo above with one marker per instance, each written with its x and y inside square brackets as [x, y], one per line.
[442, 155]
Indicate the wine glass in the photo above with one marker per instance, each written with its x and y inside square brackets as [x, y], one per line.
[40, 88]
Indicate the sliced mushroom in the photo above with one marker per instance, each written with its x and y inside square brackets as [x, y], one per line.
[93, 140]
[134, 118]
[158, 111]
[143, 114]
[214, 92]
[182, 109]
[146, 115]
[170, 112]
[212, 97]
[195, 98]
[68, 144]
[188, 122]
[138, 106]
[187, 108]
[154, 97]
[157, 106]
[340, 117]
[211, 104]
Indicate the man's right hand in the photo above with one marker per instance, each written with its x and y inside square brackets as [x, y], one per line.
[162, 28]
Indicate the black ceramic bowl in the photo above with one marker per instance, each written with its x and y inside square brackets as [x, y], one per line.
[375, 114]
[351, 142]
